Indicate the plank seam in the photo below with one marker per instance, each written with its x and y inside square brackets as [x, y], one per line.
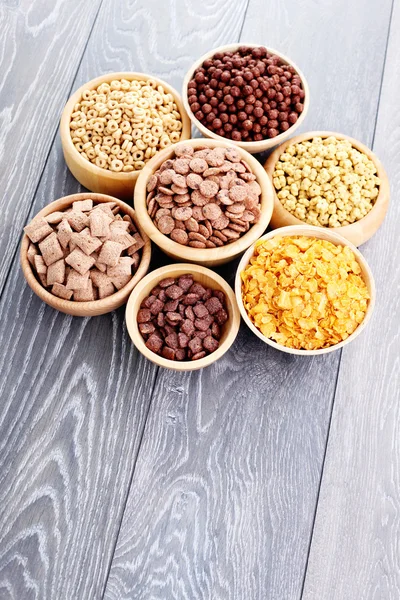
[320, 477]
[12, 261]
[383, 75]
[244, 19]
[341, 351]
[129, 485]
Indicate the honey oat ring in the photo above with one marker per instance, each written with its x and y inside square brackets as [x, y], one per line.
[94, 307]
[95, 178]
[205, 256]
[318, 233]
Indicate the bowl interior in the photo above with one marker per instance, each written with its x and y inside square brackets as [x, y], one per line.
[316, 232]
[94, 307]
[205, 277]
[213, 255]
[251, 146]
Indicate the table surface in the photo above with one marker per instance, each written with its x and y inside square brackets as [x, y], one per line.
[265, 476]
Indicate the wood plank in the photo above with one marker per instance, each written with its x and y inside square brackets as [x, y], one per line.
[76, 391]
[39, 55]
[355, 545]
[225, 486]
[222, 496]
[72, 414]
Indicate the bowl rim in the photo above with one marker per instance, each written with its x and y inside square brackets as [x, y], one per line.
[381, 203]
[312, 231]
[211, 254]
[258, 146]
[66, 138]
[187, 365]
[110, 302]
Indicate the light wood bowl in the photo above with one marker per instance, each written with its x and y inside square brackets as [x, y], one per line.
[207, 278]
[95, 307]
[322, 234]
[252, 147]
[91, 176]
[209, 257]
[357, 233]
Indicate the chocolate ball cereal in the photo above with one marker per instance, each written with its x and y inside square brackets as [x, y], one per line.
[214, 203]
[86, 252]
[247, 95]
[181, 319]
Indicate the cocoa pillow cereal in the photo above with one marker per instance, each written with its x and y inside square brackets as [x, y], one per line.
[86, 252]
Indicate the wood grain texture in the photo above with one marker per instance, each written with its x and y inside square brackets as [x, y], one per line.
[355, 546]
[224, 491]
[75, 391]
[71, 418]
[222, 496]
[39, 55]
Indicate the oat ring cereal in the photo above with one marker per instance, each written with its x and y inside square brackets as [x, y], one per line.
[304, 293]
[121, 125]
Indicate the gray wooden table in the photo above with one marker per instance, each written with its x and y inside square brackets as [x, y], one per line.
[263, 477]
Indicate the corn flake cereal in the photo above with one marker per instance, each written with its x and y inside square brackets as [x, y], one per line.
[303, 292]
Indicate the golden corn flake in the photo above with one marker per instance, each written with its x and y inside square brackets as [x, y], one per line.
[303, 292]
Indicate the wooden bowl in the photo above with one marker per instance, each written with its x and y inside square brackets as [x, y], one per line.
[95, 307]
[205, 277]
[91, 176]
[357, 233]
[209, 257]
[252, 147]
[322, 234]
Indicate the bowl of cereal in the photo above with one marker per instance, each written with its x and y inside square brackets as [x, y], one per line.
[204, 201]
[328, 180]
[112, 125]
[83, 254]
[305, 290]
[251, 95]
[183, 317]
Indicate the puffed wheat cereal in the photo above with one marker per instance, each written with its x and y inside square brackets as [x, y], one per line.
[326, 182]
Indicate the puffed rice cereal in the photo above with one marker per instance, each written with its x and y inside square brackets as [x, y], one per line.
[303, 292]
[326, 182]
[122, 124]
